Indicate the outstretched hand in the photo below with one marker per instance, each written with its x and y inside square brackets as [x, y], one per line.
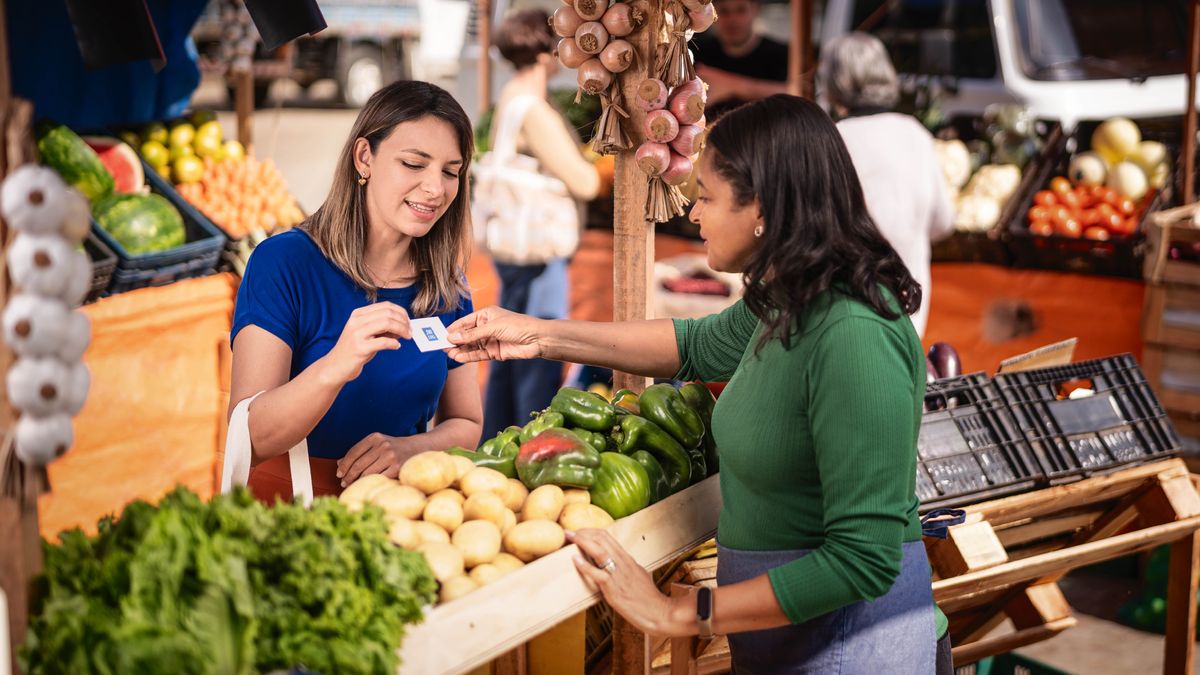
[495, 334]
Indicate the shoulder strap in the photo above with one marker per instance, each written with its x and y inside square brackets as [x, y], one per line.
[235, 467]
[508, 129]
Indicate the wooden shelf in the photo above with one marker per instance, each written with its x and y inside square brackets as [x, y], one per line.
[471, 631]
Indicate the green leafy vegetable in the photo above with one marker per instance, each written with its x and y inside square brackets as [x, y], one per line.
[227, 587]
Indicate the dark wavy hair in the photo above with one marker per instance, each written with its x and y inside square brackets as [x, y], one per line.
[817, 233]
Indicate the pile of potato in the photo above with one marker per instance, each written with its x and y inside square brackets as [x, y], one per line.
[472, 524]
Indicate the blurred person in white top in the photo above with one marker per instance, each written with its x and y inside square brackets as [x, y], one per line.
[893, 154]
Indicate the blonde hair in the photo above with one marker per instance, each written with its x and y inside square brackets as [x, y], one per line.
[339, 227]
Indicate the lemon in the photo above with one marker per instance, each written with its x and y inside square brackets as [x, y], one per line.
[234, 150]
[155, 153]
[200, 116]
[155, 131]
[163, 170]
[182, 134]
[207, 145]
[187, 169]
[210, 129]
[131, 139]
[178, 151]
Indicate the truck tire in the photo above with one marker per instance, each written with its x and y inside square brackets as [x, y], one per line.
[361, 74]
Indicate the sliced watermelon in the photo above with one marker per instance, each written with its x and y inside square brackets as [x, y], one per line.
[122, 163]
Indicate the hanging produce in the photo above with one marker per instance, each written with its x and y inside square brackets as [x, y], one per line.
[48, 383]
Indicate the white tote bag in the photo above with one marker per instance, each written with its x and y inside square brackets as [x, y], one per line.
[235, 470]
[521, 215]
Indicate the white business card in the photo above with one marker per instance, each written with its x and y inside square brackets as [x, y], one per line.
[430, 334]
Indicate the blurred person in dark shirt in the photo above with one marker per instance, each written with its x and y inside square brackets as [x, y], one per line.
[738, 63]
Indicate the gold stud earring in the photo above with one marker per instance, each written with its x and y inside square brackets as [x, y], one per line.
[758, 231]
[362, 179]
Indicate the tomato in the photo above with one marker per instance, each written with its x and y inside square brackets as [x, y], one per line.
[1096, 233]
[1089, 217]
[1123, 227]
[1041, 228]
[1039, 213]
[1086, 198]
[1110, 197]
[1045, 198]
[1126, 206]
[1060, 214]
[1068, 228]
[1060, 186]
[1070, 199]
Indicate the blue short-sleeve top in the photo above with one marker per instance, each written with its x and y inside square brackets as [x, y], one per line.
[291, 290]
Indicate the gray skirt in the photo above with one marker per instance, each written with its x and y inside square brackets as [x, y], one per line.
[892, 634]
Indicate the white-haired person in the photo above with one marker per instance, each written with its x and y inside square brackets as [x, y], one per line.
[892, 153]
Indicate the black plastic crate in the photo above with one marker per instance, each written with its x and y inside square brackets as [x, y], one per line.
[196, 257]
[1121, 424]
[104, 263]
[991, 247]
[969, 447]
[1116, 257]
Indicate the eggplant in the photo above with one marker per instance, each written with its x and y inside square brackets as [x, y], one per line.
[931, 373]
[945, 359]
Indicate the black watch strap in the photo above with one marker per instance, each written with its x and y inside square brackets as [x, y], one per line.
[704, 611]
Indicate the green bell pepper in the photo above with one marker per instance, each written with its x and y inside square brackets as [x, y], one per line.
[544, 421]
[699, 469]
[638, 433]
[505, 465]
[663, 405]
[495, 446]
[622, 486]
[515, 431]
[584, 409]
[596, 440]
[701, 400]
[659, 490]
[625, 402]
[557, 457]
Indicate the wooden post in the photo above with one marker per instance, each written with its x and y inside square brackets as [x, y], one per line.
[1182, 583]
[483, 23]
[243, 105]
[1189, 116]
[21, 552]
[633, 235]
[799, 50]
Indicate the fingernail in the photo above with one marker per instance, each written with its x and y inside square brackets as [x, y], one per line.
[340, 474]
[581, 560]
[343, 483]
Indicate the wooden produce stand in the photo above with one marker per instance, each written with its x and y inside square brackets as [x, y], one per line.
[1005, 560]
[467, 633]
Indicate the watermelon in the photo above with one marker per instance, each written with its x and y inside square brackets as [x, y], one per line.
[140, 223]
[65, 152]
[121, 162]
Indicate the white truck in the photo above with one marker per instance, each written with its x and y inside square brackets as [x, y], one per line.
[1066, 60]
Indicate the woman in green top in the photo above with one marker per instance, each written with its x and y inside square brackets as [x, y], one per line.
[821, 567]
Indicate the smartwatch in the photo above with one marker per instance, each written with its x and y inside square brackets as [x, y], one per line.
[704, 612]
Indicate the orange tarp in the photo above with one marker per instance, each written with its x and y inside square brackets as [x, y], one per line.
[152, 416]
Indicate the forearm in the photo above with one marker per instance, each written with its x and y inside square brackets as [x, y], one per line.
[282, 417]
[737, 608]
[640, 347]
[455, 431]
[751, 88]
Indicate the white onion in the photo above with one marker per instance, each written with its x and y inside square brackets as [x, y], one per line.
[617, 56]
[591, 37]
[593, 77]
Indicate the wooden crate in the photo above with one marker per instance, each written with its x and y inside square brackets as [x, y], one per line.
[462, 635]
[1162, 228]
[1171, 315]
[1174, 373]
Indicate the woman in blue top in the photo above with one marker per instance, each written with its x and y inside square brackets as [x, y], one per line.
[321, 324]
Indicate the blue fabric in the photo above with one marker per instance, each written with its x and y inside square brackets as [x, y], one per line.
[894, 633]
[47, 67]
[517, 388]
[294, 292]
